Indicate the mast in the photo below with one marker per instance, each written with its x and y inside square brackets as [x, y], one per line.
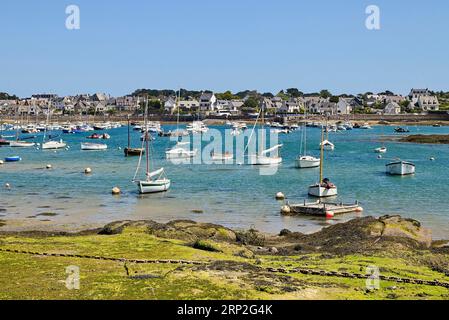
[147, 139]
[321, 156]
[305, 131]
[129, 139]
[263, 128]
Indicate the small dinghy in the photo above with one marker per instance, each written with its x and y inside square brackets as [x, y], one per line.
[400, 168]
[93, 146]
[381, 150]
[13, 159]
[94, 136]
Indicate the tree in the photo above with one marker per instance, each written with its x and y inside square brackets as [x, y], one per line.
[268, 95]
[334, 99]
[250, 104]
[281, 94]
[6, 96]
[226, 96]
[294, 93]
[325, 94]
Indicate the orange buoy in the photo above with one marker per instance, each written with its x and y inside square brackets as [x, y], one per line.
[359, 209]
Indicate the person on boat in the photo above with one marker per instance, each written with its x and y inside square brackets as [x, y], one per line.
[327, 184]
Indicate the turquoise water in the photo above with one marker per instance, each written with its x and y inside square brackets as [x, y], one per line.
[233, 195]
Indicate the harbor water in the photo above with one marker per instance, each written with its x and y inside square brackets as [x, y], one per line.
[234, 195]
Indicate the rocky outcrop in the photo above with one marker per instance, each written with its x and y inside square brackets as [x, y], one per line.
[180, 229]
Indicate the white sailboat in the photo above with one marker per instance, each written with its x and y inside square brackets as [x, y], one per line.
[305, 161]
[383, 148]
[155, 181]
[326, 144]
[21, 144]
[324, 188]
[180, 151]
[265, 157]
[51, 144]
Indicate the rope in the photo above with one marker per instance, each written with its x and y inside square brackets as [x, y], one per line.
[313, 272]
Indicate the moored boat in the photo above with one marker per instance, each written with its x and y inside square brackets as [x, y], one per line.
[13, 159]
[401, 168]
[21, 144]
[324, 188]
[93, 146]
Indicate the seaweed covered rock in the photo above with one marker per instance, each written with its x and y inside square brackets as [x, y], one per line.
[366, 234]
[180, 229]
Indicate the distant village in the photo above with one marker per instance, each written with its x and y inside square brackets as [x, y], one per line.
[207, 103]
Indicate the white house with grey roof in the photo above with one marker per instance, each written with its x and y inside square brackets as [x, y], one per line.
[208, 102]
[392, 108]
[428, 103]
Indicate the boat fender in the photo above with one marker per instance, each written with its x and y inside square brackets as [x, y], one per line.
[87, 170]
[116, 190]
[330, 214]
[359, 209]
[280, 196]
[285, 209]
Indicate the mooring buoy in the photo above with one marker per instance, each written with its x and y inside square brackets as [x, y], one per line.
[116, 190]
[280, 196]
[87, 170]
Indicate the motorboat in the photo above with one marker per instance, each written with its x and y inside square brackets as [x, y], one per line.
[93, 146]
[400, 168]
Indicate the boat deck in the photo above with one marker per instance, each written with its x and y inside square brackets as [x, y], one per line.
[320, 208]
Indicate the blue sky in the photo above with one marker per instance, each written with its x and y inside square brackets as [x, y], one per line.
[220, 45]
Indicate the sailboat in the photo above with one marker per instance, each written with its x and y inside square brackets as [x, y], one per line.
[324, 188]
[305, 161]
[383, 148]
[51, 144]
[20, 144]
[326, 144]
[262, 157]
[155, 181]
[132, 151]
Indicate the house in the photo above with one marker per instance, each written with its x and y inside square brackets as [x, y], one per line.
[170, 105]
[428, 103]
[235, 106]
[393, 98]
[392, 108]
[416, 93]
[208, 102]
[127, 103]
[189, 105]
[99, 97]
[344, 106]
[291, 105]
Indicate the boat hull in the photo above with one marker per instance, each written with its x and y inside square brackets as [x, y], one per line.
[307, 162]
[155, 186]
[400, 168]
[13, 159]
[20, 144]
[93, 146]
[52, 145]
[258, 160]
[380, 150]
[129, 152]
[180, 153]
[322, 192]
